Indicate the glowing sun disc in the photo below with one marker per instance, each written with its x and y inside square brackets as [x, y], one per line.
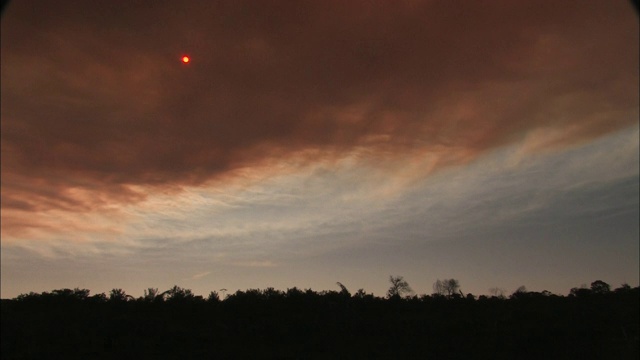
[186, 59]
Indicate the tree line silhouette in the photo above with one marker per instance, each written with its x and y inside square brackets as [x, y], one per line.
[591, 322]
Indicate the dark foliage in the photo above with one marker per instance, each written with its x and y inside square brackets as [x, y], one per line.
[590, 323]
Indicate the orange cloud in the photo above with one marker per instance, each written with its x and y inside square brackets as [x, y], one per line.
[94, 104]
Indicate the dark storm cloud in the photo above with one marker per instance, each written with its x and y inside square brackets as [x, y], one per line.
[94, 98]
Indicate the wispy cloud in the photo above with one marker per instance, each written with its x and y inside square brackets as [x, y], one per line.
[200, 275]
[257, 264]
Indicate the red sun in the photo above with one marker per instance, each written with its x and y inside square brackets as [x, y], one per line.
[185, 59]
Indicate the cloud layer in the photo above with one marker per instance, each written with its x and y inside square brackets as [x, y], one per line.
[97, 110]
[503, 220]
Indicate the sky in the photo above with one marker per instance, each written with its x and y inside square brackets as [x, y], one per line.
[311, 142]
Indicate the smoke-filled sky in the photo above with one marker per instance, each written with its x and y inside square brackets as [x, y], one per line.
[310, 142]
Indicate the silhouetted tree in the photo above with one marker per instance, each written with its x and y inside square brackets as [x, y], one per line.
[118, 295]
[81, 294]
[497, 292]
[438, 288]
[343, 289]
[580, 292]
[152, 294]
[520, 292]
[178, 294]
[600, 287]
[99, 298]
[271, 293]
[294, 294]
[361, 294]
[399, 287]
[68, 294]
[213, 297]
[32, 296]
[623, 288]
[452, 286]
[448, 287]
